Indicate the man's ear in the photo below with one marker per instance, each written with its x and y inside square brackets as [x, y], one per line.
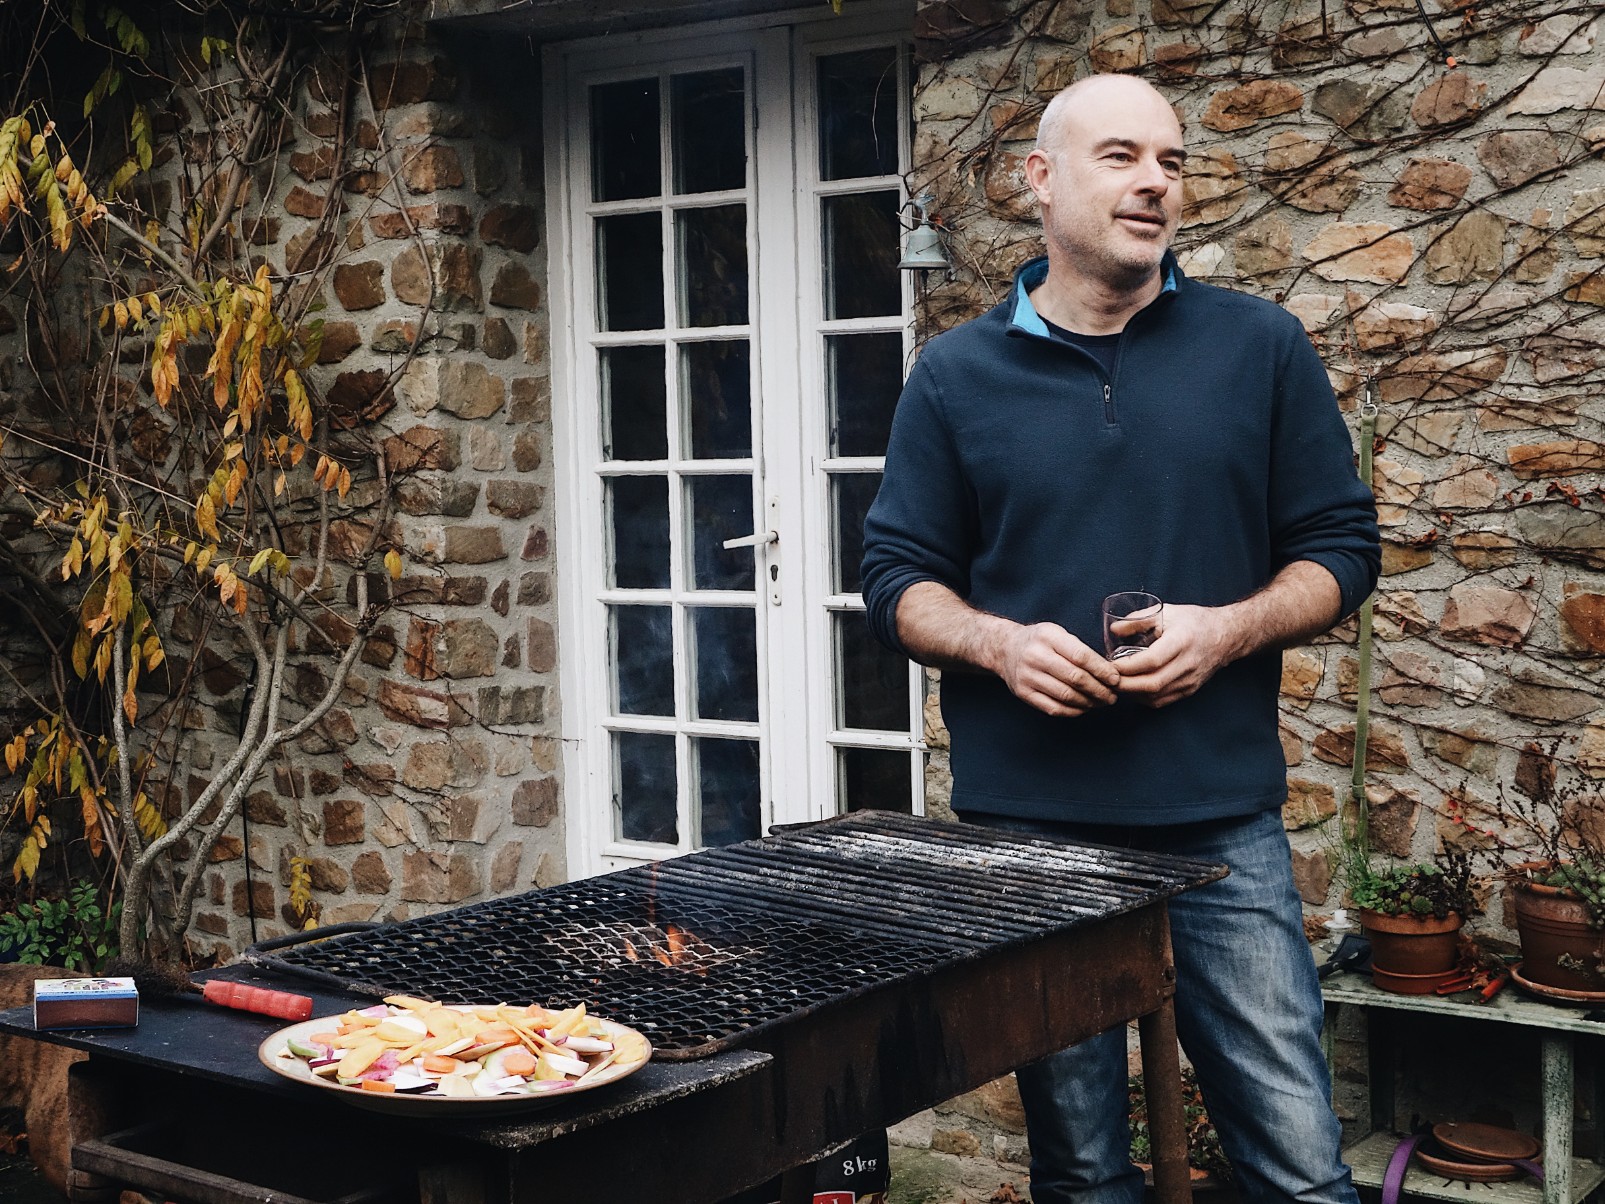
[1038, 171]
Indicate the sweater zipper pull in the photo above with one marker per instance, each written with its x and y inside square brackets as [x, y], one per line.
[1108, 406]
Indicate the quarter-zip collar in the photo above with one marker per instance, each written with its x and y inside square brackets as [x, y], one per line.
[1023, 317]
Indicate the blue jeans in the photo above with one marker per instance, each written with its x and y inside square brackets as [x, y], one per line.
[1248, 1012]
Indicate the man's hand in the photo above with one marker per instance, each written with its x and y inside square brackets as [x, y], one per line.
[1047, 667]
[1196, 643]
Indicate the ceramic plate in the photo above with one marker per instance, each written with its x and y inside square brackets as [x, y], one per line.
[273, 1055]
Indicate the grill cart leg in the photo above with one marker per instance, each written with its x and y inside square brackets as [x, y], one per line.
[797, 1185]
[1167, 1128]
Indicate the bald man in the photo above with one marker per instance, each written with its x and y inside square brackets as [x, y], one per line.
[1115, 426]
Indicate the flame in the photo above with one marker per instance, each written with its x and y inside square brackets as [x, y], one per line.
[671, 946]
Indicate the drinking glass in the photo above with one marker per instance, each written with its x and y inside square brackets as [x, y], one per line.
[1131, 621]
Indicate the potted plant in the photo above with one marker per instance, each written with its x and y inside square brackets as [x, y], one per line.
[1412, 916]
[1559, 905]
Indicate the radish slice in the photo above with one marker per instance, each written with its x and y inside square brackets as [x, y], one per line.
[589, 1045]
[378, 1011]
[563, 1065]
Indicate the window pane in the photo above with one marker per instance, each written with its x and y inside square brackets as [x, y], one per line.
[635, 400]
[643, 787]
[720, 508]
[866, 376]
[862, 247]
[727, 662]
[643, 659]
[624, 140]
[858, 114]
[640, 515]
[871, 679]
[873, 777]
[852, 493]
[629, 262]
[716, 382]
[713, 265]
[728, 789]
[710, 131]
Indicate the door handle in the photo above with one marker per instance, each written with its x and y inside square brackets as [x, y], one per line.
[757, 540]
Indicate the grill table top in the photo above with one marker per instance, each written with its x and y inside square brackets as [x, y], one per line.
[710, 951]
[1023, 947]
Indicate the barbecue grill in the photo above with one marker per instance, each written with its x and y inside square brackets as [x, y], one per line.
[798, 990]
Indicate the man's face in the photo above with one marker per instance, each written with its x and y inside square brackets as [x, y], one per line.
[1110, 183]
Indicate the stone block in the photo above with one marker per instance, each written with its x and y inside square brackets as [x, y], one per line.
[339, 339]
[513, 287]
[1392, 815]
[473, 545]
[1555, 88]
[1178, 60]
[469, 390]
[1008, 197]
[1513, 157]
[1308, 803]
[432, 168]
[1561, 34]
[263, 809]
[1468, 485]
[439, 877]
[1117, 48]
[433, 215]
[226, 848]
[411, 81]
[303, 202]
[499, 343]
[1470, 749]
[535, 802]
[541, 646]
[530, 396]
[1263, 248]
[314, 165]
[1312, 875]
[1389, 325]
[527, 450]
[505, 867]
[1556, 458]
[1302, 42]
[1240, 107]
[1430, 184]
[1384, 748]
[1454, 98]
[1213, 189]
[467, 648]
[1488, 614]
[1443, 376]
[516, 227]
[1374, 252]
[512, 499]
[414, 705]
[511, 706]
[1367, 112]
[1544, 697]
[360, 285]
[253, 899]
[1315, 311]
[1582, 619]
[358, 398]
[419, 448]
[537, 544]
[1302, 670]
[370, 875]
[1484, 550]
[395, 336]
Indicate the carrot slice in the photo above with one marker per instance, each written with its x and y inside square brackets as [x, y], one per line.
[436, 1064]
[377, 1085]
[518, 1062]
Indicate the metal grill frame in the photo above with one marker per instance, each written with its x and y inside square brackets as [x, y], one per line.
[907, 897]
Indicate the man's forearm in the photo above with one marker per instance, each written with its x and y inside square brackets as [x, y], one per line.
[1300, 602]
[942, 630]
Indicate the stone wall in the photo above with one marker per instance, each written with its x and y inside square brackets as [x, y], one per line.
[407, 193]
[438, 782]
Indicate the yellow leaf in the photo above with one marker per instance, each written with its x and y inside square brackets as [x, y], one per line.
[206, 517]
[345, 481]
[121, 312]
[189, 551]
[204, 559]
[393, 563]
[258, 561]
[80, 654]
[130, 706]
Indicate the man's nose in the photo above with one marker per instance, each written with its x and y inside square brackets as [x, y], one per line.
[1153, 178]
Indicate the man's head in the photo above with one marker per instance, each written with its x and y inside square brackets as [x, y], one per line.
[1107, 172]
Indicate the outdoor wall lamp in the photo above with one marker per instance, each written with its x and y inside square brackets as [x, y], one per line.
[922, 242]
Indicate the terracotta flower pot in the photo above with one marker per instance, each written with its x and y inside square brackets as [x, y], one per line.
[1560, 947]
[1411, 955]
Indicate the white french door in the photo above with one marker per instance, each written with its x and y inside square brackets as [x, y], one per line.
[725, 229]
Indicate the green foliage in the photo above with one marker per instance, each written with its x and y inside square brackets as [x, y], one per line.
[1581, 875]
[1422, 889]
[1204, 1151]
[75, 932]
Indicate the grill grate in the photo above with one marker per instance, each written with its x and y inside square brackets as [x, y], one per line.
[704, 952]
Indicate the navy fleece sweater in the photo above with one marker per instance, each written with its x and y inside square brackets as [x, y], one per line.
[1033, 484]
